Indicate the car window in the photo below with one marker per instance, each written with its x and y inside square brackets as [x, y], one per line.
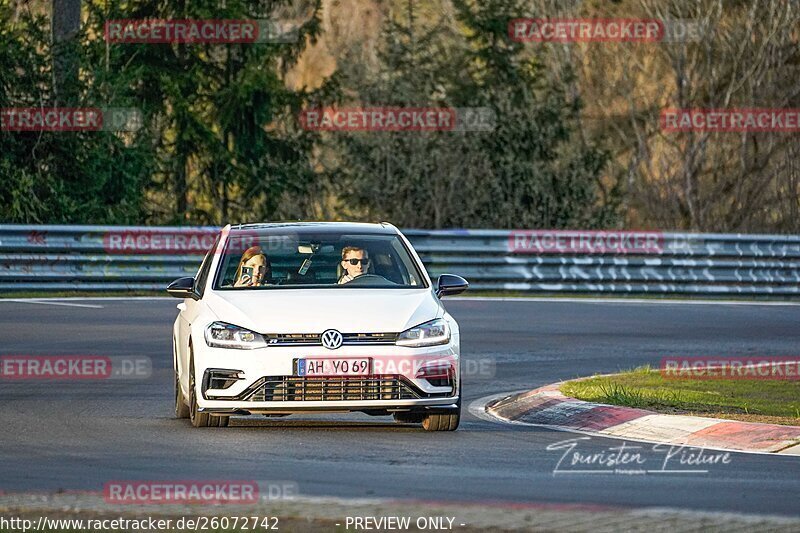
[304, 258]
[202, 273]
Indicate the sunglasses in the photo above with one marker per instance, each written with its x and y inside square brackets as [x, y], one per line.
[356, 261]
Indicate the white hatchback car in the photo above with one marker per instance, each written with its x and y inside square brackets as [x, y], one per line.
[316, 317]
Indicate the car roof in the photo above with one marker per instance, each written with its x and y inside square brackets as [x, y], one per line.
[322, 227]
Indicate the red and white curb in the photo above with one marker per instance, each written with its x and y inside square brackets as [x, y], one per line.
[547, 406]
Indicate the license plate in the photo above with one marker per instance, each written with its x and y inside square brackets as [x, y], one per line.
[361, 366]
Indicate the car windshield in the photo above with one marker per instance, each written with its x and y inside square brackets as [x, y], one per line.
[291, 258]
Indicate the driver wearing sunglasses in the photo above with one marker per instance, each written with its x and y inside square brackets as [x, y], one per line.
[355, 262]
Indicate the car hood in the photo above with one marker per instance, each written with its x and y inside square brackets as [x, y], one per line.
[315, 310]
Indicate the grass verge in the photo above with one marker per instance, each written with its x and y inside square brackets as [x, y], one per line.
[768, 401]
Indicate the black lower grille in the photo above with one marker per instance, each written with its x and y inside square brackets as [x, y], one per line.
[219, 378]
[321, 389]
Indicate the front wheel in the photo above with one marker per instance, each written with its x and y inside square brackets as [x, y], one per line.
[446, 422]
[181, 409]
[198, 419]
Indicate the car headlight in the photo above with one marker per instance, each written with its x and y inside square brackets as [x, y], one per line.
[223, 335]
[427, 334]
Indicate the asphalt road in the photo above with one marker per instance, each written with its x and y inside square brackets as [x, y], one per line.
[80, 435]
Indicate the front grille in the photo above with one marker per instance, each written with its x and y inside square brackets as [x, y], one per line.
[368, 338]
[322, 389]
[293, 339]
[313, 339]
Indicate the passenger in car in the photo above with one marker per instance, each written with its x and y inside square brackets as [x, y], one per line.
[254, 268]
[355, 262]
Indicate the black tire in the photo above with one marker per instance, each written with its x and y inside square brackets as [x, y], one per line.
[198, 419]
[445, 422]
[181, 409]
[442, 422]
[408, 418]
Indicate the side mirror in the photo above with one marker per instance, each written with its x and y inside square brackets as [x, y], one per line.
[449, 284]
[182, 288]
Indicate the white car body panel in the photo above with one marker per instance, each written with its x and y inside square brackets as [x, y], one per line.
[346, 310]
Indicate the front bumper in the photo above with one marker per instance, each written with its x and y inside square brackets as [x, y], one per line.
[267, 382]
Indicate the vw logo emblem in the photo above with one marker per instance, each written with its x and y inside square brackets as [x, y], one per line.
[331, 339]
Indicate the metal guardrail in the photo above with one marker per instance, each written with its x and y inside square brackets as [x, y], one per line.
[67, 258]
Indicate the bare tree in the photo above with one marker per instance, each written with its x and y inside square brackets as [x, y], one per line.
[739, 55]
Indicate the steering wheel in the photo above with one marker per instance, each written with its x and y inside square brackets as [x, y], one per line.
[369, 279]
